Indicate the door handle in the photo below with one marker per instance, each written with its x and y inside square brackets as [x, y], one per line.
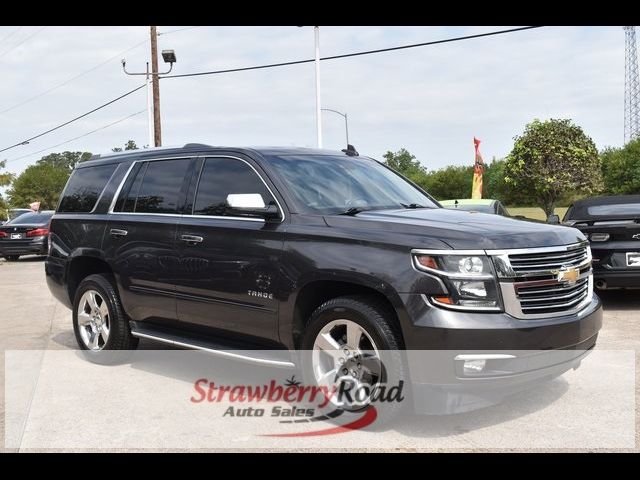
[191, 238]
[118, 233]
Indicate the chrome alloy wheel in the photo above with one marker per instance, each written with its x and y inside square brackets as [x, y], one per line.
[343, 352]
[93, 320]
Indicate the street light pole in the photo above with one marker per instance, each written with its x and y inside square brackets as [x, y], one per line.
[346, 121]
[316, 30]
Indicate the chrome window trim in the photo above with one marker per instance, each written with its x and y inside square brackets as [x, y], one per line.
[204, 157]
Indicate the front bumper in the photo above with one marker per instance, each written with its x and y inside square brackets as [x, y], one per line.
[27, 246]
[530, 351]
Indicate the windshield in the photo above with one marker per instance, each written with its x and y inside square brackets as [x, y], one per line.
[472, 208]
[31, 219]
[334, 184]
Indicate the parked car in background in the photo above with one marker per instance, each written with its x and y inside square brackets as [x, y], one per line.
[16, 212]
[8, 215]
[26, 234]
[484, 205]
[612, 225]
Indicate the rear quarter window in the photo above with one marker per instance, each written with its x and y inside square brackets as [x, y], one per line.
[84, 188]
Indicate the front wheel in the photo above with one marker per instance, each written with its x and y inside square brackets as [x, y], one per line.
[351, 346]
[99, 322]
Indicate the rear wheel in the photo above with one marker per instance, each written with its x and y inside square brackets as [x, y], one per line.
[12, 258]
[99, 322]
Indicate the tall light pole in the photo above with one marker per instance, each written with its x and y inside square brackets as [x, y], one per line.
[169, 56]
[316, 31]
[346, 122]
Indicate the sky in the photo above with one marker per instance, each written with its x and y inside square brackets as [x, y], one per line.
[430, 100]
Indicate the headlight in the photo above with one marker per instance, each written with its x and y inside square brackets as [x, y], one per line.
[599, 237]
[469, 278]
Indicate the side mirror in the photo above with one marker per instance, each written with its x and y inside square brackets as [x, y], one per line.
[553, 219]
[251, 204]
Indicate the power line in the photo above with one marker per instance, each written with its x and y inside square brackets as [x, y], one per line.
[78, 137]
[28, 37]
[49, 90]
[355, 54]
[296, 62]
[24, 142]
[9, 35]
[177, 30]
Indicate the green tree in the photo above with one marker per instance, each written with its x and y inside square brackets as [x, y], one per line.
[130, 145]
[38, 183]
[494, 186]
[552, 159]
[66, 160]
[405, 163]
[450, 182]
[5, 178]
[621, 169]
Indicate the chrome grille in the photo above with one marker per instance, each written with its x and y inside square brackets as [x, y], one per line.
[550, 297]
[543, 262]
[533, 285]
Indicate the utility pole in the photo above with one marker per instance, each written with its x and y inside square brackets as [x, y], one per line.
[169, 56]
[157, 129]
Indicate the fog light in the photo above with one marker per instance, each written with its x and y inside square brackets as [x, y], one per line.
[473, 366]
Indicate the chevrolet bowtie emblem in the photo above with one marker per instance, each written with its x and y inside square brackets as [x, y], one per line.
[569, 275]
[636, 236]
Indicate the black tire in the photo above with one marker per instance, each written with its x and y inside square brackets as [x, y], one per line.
[119, 338]
[375, 317]
[12, 258]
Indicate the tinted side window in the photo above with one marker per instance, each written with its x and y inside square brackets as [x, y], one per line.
[159, 187]
[84, 188]
[221, 177]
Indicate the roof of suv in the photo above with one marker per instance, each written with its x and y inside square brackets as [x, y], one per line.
[200, 147]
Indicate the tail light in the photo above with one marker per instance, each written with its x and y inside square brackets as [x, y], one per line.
[3, 234]
[38, 232]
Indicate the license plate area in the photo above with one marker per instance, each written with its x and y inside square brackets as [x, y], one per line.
[16, 236]
[633, 259]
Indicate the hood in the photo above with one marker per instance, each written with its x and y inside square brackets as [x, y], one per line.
[460, 229]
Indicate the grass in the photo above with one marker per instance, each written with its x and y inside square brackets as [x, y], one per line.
[535, 212]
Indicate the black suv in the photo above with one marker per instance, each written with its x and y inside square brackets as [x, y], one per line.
[287, 249]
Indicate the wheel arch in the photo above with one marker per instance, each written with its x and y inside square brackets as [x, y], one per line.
[316, 291]
[81, 265]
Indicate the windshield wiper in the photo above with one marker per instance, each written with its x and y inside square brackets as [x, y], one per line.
[412, 205]
[351, 211]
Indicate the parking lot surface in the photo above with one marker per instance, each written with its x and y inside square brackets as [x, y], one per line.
[31, 319]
